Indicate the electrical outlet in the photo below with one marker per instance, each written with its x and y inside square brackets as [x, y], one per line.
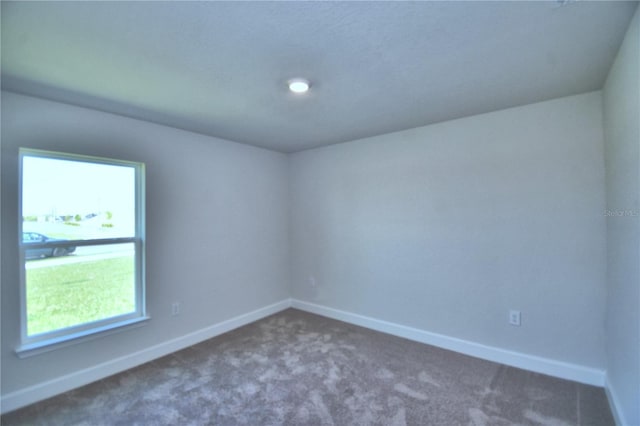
[514, 318]
[175, 308]
[312, 281]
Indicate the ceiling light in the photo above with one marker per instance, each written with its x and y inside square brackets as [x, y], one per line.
[299, 85]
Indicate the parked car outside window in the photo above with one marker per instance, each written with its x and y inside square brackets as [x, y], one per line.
[40, 252]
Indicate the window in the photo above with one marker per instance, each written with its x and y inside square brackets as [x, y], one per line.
[81, 246]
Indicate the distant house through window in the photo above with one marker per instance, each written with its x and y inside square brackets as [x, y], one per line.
[81, 246]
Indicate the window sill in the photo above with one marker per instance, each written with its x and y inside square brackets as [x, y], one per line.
[42, 346]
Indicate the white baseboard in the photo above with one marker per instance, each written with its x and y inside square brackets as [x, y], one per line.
[563, 370]
[29, 395]
[614, 403]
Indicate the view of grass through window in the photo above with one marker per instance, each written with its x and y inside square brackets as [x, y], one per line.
[65, 295]
[78, 232]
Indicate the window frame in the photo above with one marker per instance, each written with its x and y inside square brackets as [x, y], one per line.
[49, 340]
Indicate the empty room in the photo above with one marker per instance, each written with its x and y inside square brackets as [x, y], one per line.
[320, 213]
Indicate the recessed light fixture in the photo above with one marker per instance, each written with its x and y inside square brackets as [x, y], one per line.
[299, 85]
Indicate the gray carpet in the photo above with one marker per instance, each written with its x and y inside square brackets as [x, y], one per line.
[296, 368]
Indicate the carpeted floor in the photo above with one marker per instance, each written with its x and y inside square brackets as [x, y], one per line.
[296, 368]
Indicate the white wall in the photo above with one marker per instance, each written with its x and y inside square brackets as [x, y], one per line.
[621, 96]
[446, 227]
[217, 224]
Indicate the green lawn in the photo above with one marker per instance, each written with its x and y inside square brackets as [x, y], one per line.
[61, 296]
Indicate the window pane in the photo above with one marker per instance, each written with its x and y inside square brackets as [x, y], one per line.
[81, 246]
[77, 200]
[93, 283]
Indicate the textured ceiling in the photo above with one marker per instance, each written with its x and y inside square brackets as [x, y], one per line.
[220, 68]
